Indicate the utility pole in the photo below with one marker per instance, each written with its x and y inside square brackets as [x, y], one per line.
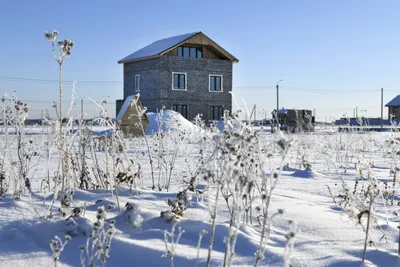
[382, 108]
[277, 103]
[356, 112]
[41, 113]
[82, 109]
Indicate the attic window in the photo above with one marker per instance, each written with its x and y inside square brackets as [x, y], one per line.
[190, 52]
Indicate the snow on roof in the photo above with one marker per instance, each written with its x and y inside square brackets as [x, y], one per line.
[124, 107]
[158, 46]
[395, 102]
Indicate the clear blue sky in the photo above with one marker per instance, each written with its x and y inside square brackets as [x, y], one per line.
[311, 44]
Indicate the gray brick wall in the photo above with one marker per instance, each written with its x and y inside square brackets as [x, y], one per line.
[156, 83]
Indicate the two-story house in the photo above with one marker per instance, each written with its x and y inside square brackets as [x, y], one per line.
[189, 73]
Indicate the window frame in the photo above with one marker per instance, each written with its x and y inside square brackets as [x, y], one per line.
[181, 49]
[137, 89]
[222, 83]
[178, 89]
[215, 108]
[177, 109]
[395, 109]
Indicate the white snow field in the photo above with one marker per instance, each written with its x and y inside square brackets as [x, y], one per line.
[318, 211]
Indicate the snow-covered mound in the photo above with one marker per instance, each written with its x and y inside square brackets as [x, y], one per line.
[168, 119]
[307, 173]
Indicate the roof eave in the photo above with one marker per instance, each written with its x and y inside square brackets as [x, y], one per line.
[137, 59]
[228, 55]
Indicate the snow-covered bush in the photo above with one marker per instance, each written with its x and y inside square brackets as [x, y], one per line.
[132, 216]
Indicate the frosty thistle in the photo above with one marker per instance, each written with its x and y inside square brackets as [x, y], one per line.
[65, 51]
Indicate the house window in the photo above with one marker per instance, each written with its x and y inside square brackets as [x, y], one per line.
[395, 109]
[178, 81]
[215, 83]
[182, 109]
[137, 83]
[190, 52]
[216, 113]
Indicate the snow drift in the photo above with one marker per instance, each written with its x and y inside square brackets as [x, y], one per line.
[168, 119]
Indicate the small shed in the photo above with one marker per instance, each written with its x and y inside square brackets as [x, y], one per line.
[394, 107]
[128, 117]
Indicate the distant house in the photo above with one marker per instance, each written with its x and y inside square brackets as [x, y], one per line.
[394, 107]
[188, 73]
[128, 117]
[295, 120]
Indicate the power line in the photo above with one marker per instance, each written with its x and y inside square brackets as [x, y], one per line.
[343, 108]
[240, 88]
[31, 80]
[65, 101]
[332, 90]
[270, 87]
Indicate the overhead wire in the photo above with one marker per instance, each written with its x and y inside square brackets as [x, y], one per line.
[240, 88]
[269, 87]
[49, 81]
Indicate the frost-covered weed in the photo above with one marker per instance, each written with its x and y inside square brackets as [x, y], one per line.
[65, 47]
[171, 243]
[166, 142]
[359, 201]
[201, 235]
[98, 244]
[140, 113]
[290, 237]
[237, 172]
[3, 185]
[19, 168]
[57, 247]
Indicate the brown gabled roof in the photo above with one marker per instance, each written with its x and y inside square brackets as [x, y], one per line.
[163, 46]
